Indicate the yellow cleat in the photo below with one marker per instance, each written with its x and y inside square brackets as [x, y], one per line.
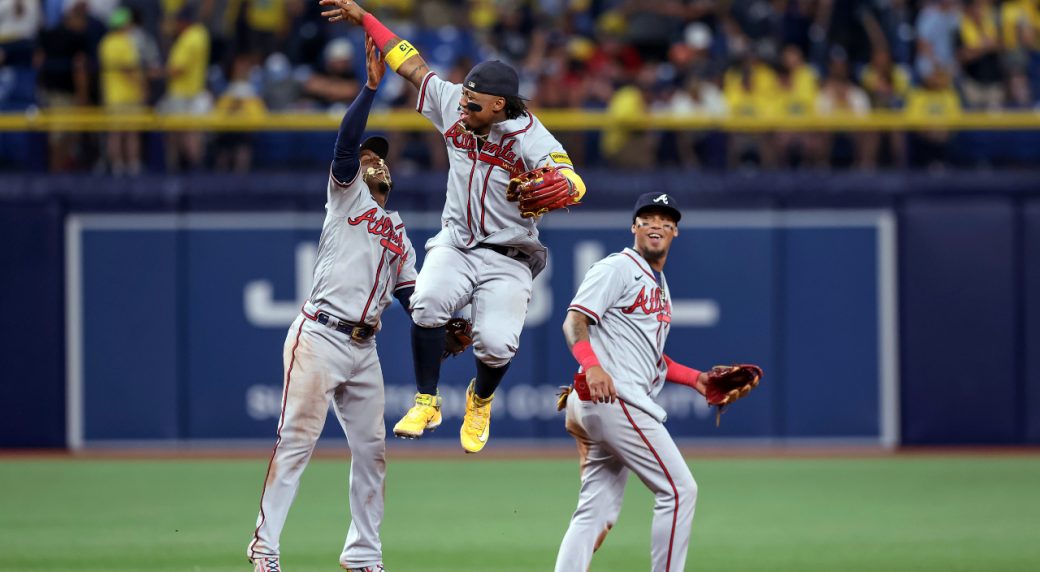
[425, 415]
[476, 425]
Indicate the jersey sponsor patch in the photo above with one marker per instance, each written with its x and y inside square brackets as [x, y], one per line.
[561, 158]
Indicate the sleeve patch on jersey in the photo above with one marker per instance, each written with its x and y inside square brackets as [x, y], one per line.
[561, 158]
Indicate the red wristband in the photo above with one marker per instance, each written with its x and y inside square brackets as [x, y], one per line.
[681, 374]
[583, 353]
[381, 35]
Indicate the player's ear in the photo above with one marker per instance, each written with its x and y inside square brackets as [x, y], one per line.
[499, 104]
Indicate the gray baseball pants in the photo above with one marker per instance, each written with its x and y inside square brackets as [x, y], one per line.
[615, 439]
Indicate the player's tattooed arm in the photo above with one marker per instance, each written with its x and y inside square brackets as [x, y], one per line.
[402, 57]
[576, 331]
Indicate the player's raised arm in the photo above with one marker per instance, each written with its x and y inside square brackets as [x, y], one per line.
[401, 56]
[347, 159]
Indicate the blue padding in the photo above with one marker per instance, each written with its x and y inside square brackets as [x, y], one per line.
[1030, 380]
[958, 310]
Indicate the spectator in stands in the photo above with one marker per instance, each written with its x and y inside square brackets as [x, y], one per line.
[979, 53]
[623, 145]
[123, 90]
[186, 92]
[19, 25]
[890, 27]
[279, 86]
[514, 31]
[797, 92]
[259, 25]
[937, 24]
[148, 48]
[887, 85]
[613, 54]
[748, 88]
[335, 83]
[63, 63]
[796, 23]
[306, 44]
[698, 97]
[692, 56]
[1020, 34]
[1020, 93]
[840, 97]
[234, 150]
[934, 101]
[652, 26]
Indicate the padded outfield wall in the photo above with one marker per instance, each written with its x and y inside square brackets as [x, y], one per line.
[154, 310]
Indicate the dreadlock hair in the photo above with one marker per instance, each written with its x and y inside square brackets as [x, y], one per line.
[515, 107]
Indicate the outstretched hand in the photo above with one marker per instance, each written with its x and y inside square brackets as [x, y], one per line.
[342, 10]
[373, 64]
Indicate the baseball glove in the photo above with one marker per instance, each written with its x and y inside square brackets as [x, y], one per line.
[458, 335]
[728, 383]
[541, 190]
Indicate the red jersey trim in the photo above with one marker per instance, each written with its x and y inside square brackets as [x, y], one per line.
[278, 438]
[422, 92]
[675, 491]
[584, 310]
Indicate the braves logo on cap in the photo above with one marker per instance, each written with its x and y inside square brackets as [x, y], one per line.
[663, 199]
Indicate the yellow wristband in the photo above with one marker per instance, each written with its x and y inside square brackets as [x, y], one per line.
[399, 54]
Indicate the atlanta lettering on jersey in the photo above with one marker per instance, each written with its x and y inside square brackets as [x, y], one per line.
[382, 227]
[493, 153]
[654, 303]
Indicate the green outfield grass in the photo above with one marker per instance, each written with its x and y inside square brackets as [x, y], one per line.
[479, 514]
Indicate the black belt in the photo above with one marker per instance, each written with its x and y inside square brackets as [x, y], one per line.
[357, 332]
[507, 251]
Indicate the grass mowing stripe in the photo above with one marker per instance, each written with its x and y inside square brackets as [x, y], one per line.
[897, 513]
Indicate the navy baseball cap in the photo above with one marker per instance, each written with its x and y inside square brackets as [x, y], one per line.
[659, 201]
[378, 145]
[493, 77]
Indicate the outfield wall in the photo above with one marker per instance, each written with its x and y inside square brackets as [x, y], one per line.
[878, 316]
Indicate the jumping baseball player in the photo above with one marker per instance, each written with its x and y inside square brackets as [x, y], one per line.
[616, 327]
[487, 252]
[364, 257]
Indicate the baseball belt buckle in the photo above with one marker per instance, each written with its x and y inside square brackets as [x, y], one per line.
[360, 333]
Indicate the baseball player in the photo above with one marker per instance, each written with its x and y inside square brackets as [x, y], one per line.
[364, 257]
[616, 327]
[487, 253]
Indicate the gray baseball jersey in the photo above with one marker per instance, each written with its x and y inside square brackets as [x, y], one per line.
[476, 209]
[364, 254]
[621, 294]
[632, 315]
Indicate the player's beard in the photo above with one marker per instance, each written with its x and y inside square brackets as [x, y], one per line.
[653, 255]
[380, 176]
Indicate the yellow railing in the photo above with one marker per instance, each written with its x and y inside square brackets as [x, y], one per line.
[558, 120]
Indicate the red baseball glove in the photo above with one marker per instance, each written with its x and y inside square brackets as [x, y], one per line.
[458, 335]
[728, 383]
[541, 190]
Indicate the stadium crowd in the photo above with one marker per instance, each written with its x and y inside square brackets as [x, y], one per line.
[628, 58]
